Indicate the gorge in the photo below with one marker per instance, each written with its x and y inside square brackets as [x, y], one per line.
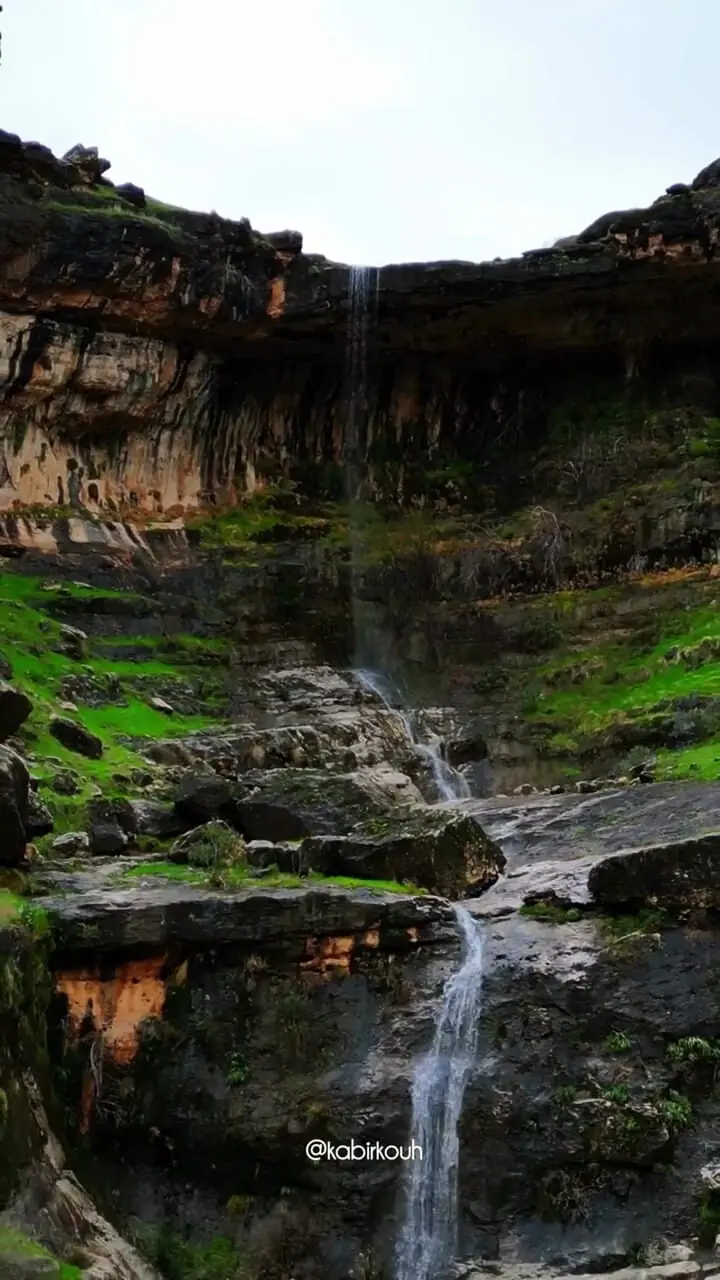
[359, 746]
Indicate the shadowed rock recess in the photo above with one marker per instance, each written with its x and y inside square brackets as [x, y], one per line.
[229, 885]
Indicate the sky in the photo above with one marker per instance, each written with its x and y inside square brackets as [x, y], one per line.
[384, 130]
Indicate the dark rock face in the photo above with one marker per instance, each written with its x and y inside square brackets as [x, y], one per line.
[76, 738]
[15, 707]
[274, 1002]
[14, 793]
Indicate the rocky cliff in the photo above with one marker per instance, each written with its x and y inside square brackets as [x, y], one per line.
[227, 885]
[156, 361]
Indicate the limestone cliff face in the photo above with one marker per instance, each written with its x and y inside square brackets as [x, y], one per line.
[157, 361]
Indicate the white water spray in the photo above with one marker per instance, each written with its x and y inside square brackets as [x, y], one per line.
[428, 1237]
[449, 782]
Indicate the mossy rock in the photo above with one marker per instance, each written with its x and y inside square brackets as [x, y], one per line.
[447, 853]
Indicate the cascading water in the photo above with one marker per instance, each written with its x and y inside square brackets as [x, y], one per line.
[363, 293]
[427, 1239]
[449, 782]
[363, 296]
[428, 1236]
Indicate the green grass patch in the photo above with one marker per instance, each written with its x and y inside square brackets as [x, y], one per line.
[693, 1049]
[701, 763]
[599, 695]
[549, 913]
[29, 637]
[617, 1042]
[16, 1244]
[648, 920]
[239, 877]
[10, 907]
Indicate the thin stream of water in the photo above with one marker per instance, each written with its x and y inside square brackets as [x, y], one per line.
[428, 1235]
[427, 1240]
[449, 782]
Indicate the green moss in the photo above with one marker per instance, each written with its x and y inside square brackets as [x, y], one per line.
[565, 1093]
[676, 1109]
[550, 913]
[16, 1244]
[180, 1259]
[10, 907]
[693, 1049]
[108, 208]
[709, 1218]
[617, 1042]
[240, 877]
[238, 1070]
[648, 920]
[616, 1093]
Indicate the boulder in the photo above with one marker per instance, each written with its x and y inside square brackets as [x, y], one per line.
[679, 874]
[6, 670]
[159, 704]
[211, 844]
[133, 194]
[72, 842]
[76, 738]
[169, 753]
[39, 820]
[289, 804]
[203, 795]
[106, 834]
[447, 853]
[14, 793]
[15, 707]
[88, 161]
[149, 818]
[72, 642]
[64, 784]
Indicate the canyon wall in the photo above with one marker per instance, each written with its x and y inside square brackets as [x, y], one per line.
[155, 361]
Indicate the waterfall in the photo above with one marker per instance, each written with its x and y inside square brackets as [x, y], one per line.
[449, 783]
[363, 293]
[428, 1236]
[363, 290]
[363, 286]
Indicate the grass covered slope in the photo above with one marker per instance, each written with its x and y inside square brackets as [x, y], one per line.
[109, 697]
[629, 674]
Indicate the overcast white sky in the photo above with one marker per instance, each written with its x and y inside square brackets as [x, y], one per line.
[384, 130]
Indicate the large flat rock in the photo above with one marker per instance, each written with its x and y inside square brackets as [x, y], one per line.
[158, 916]
[656, 844]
